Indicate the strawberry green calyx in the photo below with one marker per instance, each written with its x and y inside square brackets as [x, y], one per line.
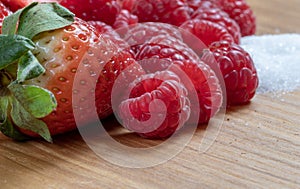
[24, 105]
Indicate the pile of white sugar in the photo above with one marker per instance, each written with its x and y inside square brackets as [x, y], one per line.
[277, 60]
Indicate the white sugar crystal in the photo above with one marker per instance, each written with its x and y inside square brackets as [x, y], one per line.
[277, 60]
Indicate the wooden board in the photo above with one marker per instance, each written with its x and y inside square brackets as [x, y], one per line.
[258, 145]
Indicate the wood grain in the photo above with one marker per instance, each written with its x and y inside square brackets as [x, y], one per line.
[257, 147]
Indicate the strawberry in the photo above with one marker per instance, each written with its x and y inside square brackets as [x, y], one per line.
[71, 68]
[99, 10]
[4, 11]
[157, 105]
[237, 68]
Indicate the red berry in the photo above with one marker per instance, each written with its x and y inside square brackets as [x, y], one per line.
[240, 11]
[237, 68]
[124, 19]
[204, 88]
[73, 57]
[140, 34]
[157, 105]
[196, 4]
[100, 10]
[220, 17]
[174, 12]
[107, 32]
[103, 28]
[207, 31]
[4, 11]
[161, 53]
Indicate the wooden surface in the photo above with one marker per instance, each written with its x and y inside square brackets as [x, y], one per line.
[258, 145]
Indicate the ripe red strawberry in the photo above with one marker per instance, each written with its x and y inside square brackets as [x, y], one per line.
[80, 69]
[241, 12]
[238, 71]
[100, 10]
[160, 53]
[174, 12]
[157, 105]
[4, 11]
[63, 54]
[218, 16]
[207, 31]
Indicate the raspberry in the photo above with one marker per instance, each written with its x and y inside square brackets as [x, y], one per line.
[159, 52]
[124, 19]
[108, 33]
[143, 112]
[174, 12]
[220, 17]
[206, 85]
[162, 53]
[204, 4]
[101, 10]
[102, 28]
[237, 68]
[241, 12]
[142, 33]
[207, 31]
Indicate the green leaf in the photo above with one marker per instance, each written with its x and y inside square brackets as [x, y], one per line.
[37, 101]
[10, 22]
[6, 126]
[3, 108]
[25, 120]
[44, 17]
[29, 67]
[12, 48]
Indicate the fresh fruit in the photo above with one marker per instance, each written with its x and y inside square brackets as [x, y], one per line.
[99, 10]
[218, 16]
[240, 11]
[203, 86]
[140, 34]
[4, 11]
[207, 31]
[103, 28]
[173, 12]
[157, 105]
[160, 53]
[107, 32]
[203, 4]
[238, 71]
[124, 19]
[78, 63]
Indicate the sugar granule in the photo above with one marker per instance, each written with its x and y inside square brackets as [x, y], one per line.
[277, 60]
